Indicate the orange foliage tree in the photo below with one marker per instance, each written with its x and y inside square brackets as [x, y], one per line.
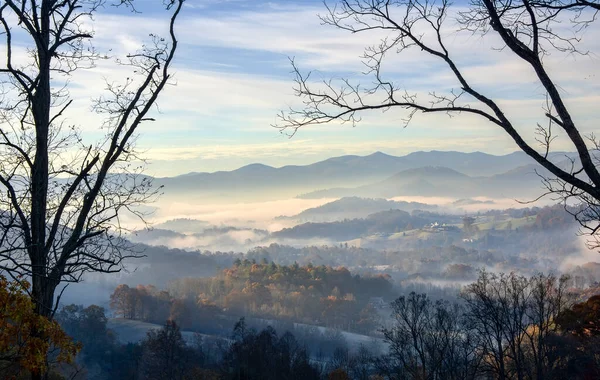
[26, 337]
[583, 319]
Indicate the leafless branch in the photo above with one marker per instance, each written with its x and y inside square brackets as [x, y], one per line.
[528, 29]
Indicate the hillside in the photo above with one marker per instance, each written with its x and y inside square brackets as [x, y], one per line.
[355, 207]
[132, 331]
[383, 222]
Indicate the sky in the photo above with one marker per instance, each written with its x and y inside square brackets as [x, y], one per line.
[232, 75]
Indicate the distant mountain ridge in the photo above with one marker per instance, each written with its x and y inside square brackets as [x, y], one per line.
[473, 163]
[442, 181]
[258, 181]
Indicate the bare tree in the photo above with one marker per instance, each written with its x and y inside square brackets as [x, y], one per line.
[547, 300]
[528, 30]
[166, 354]
[429, 340]
[514, 319]
[61, 198]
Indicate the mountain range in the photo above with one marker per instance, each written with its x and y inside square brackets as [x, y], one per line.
[438, 181]
[376, 175]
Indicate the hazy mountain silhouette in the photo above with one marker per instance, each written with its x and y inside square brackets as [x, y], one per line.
[442, 181]
[257, 181]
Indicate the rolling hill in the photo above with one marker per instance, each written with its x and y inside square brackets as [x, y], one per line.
[354, 207]
[383, 222]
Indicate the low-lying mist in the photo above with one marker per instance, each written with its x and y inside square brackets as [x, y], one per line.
[259, 215]
[241, 226]
[420, 241]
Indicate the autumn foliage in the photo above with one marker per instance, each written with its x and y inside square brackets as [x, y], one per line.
[331, 297]
[583, 319]
[26, 337]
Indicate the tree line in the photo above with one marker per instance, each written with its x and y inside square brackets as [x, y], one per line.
[245, 353]
[502, 326]
[322, 295]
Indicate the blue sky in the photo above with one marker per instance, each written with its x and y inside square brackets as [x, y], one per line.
[232, 75]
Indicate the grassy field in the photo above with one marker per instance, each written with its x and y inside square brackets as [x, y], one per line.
[504, 223]
[130, 331]
[483, 224]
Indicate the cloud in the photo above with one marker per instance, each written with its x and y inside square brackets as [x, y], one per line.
[582, 255]
[239, 241]
[307, 147]
[232, 77]
[253, 215]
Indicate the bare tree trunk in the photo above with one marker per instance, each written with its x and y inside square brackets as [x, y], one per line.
[42, 289]
[57, 233]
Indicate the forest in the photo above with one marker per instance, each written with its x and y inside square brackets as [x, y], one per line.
[321, 295]
[503, 326]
